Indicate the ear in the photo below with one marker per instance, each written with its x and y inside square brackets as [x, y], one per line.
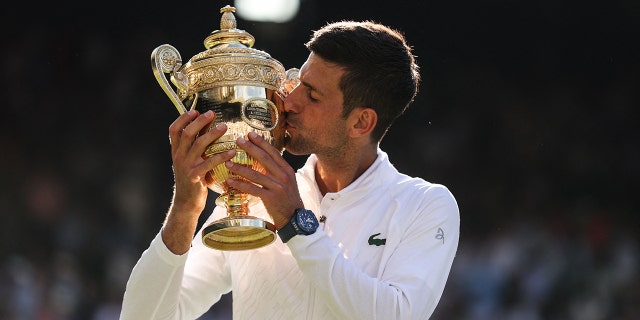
[362, 121]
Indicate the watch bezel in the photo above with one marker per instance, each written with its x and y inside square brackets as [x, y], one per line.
[301, 214]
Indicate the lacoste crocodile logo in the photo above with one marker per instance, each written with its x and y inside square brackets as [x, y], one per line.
[373, 241]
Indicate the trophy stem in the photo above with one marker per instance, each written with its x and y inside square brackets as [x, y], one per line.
[237, 203]
[239, 230]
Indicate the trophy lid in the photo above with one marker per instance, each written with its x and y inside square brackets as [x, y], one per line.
[230, 60]
[228, 33]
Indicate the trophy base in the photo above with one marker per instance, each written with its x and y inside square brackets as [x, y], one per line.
[238, 233]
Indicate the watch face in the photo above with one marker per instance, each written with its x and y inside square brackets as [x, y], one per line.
[307, 220]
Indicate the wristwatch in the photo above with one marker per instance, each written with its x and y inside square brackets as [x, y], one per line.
[303, 222]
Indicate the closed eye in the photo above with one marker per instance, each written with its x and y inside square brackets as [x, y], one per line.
[310, 91]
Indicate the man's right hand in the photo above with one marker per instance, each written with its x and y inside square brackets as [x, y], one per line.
[190, 134]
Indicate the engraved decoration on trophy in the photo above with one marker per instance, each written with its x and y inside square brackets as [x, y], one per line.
[239, 84]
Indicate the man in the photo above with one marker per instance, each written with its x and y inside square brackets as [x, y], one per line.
[385, 242]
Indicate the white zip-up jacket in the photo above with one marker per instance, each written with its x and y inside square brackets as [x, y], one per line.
[384, 251]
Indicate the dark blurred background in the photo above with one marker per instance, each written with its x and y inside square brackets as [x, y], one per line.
[528, 112]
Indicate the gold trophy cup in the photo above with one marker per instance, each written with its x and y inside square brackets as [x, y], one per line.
[239, 84]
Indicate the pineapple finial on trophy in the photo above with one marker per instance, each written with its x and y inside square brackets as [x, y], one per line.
[228, 20]
[229, 35]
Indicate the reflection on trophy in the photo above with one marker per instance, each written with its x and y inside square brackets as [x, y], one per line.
[240, 84]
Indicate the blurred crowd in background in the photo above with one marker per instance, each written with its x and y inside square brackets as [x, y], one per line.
[528, 113]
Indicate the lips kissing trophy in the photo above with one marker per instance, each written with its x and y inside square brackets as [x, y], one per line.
[239, 84]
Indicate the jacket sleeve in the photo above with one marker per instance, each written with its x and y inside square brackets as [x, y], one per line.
[411, 279]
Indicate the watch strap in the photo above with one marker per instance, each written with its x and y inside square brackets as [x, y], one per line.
[288, 231]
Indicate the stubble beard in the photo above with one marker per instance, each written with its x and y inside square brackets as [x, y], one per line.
[297, 146]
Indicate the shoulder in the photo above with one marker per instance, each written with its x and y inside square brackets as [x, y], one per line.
[399, 182]
[423, 199]
[419, 190]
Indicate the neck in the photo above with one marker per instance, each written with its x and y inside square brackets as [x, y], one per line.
[336, 173]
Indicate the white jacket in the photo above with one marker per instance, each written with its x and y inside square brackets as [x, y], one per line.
[384, 252]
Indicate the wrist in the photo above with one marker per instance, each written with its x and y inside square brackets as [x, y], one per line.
[186, 207]
[280, 223]
[175, 239]
[178, 229]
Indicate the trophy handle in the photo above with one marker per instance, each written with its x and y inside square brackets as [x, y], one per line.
[166, 59]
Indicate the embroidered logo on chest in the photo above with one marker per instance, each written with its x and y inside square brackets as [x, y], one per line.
[373, 241]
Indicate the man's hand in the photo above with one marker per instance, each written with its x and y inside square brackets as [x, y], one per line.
[277, 187]
[190, 134]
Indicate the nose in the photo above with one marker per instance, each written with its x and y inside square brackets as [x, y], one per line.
[291, 102]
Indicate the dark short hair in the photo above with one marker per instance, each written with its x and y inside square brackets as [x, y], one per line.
[380, 69]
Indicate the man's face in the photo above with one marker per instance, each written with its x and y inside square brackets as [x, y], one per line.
[314, 121]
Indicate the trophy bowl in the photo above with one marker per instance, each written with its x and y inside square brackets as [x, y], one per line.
[240, 85]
